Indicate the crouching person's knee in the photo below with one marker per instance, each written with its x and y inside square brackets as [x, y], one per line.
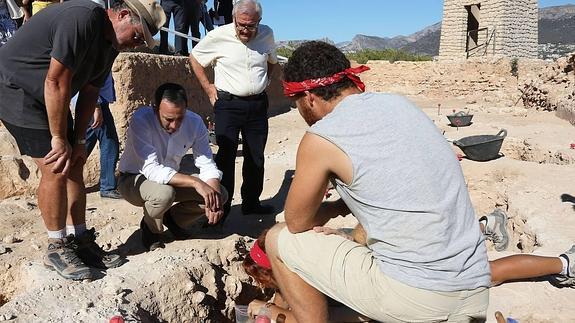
[160, 200]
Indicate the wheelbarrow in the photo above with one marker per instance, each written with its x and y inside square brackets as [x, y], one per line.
[460, 119]
[482, 147]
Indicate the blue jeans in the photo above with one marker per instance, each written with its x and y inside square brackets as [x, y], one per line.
[109, 148]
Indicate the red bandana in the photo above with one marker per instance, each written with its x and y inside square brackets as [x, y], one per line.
[260, 257]
[293, 88]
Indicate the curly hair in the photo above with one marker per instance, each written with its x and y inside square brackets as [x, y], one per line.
[317, 59]
[264, 277]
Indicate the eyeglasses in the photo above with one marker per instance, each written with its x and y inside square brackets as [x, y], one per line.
[138, 38]
[250, 28]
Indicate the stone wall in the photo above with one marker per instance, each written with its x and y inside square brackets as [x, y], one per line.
[511, 28]
[476, 80]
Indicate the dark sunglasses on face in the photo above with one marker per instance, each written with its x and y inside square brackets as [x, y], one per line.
[138, 38]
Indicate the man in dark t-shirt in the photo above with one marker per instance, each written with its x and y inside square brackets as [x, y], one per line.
[67, 48]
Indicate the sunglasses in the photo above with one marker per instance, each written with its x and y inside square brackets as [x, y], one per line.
[138, 38]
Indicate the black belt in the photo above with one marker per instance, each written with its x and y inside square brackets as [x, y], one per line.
[223, 95]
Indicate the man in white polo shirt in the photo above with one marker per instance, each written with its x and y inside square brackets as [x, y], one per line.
[242, 54]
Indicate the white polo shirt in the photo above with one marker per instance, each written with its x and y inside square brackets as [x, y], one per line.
[240, 69]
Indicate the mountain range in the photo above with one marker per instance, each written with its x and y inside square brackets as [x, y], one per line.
[556, 26]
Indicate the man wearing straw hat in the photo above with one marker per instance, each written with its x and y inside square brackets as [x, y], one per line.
[67, 48]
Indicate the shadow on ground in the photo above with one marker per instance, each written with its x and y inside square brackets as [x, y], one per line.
[237, 223]
[253, 224]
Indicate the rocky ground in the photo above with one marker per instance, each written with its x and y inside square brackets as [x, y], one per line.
[200, 280]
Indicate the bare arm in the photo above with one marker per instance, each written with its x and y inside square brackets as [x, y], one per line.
[85, 106]
[27, 13]
[98, 118]
[208, 87]
[317, 161]
[57, 99]
[359, 235]
[270, 69]
[84, 110]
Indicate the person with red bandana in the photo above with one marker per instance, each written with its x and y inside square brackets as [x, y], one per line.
[425, 257]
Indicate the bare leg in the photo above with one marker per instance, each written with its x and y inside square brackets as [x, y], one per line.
[52, 198]
[523, 267]
[307, 303]
[76, 195]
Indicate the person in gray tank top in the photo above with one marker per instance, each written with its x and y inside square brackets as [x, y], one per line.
[425, 258]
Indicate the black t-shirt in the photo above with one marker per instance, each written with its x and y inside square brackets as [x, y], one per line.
[73, 34]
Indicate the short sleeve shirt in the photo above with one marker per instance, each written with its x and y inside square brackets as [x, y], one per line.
[240, 69]
[73, 34]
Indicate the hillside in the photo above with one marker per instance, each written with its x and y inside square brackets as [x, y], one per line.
[556, 36]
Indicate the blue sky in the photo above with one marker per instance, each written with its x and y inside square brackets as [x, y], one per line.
[340, 20]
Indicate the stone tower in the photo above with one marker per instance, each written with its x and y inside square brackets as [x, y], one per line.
[473, 28]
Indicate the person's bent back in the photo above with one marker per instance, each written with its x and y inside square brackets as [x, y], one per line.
[425, 258]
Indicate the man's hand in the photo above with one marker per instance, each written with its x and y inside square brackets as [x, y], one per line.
[59, 155]
[254, 307]
[214, 217]
[328, 231]
[212, 198]
[212, 94]
[98, 118]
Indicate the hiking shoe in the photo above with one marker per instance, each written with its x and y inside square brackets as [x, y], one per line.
[61, 257]
[150, 240]
[569, 279]
[93, 255]
[178, 232]
[113, 194]
[496, 229]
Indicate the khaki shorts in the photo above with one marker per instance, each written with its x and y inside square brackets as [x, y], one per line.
[348, 273]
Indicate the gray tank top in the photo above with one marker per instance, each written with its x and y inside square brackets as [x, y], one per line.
[409, 193]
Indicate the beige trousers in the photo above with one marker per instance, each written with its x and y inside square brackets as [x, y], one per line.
[156, 199]
[347, 272]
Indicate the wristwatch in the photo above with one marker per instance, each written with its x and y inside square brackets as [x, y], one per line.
[81, 141]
